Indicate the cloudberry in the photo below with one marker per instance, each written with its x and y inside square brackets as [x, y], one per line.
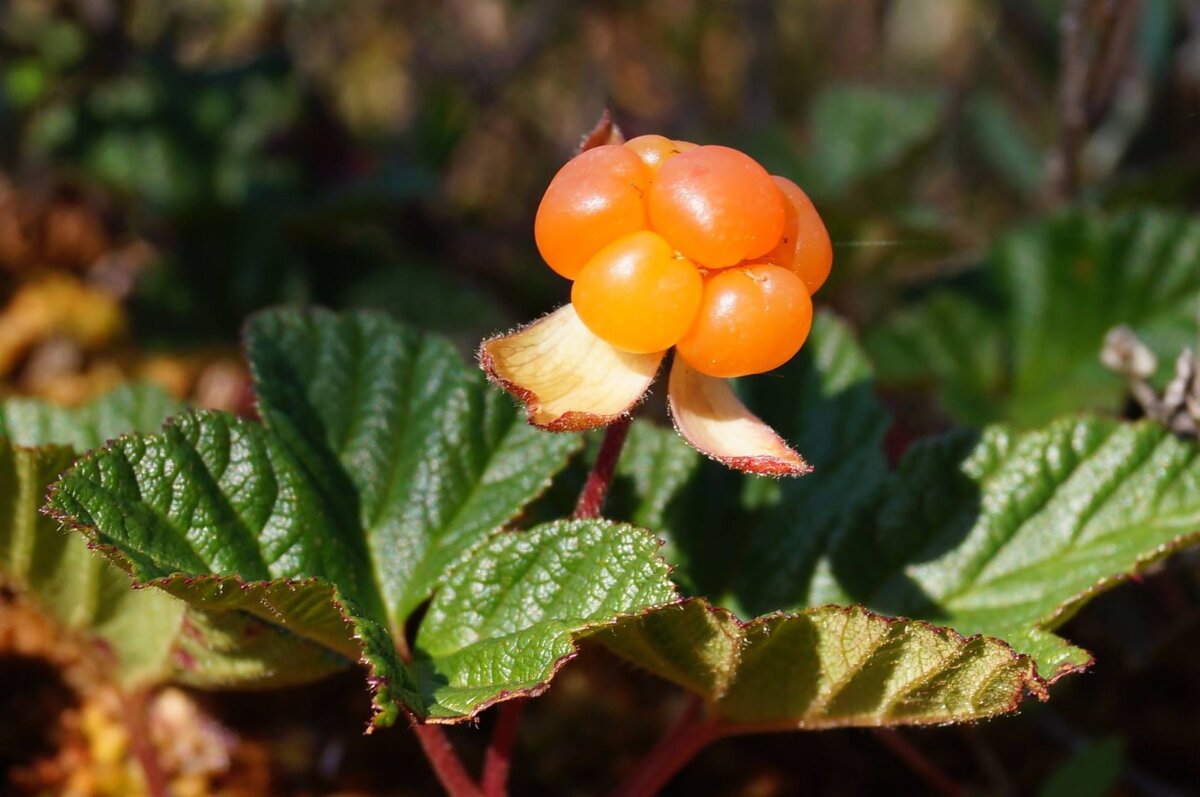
[805, 246]
[717, 206]
[655, 150]
[637, 294]
[597, 197]
[752, 319]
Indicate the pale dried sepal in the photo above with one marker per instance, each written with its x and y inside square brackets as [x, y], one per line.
[568, 379]
[714, 421]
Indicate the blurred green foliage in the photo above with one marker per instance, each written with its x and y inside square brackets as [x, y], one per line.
[394, 153]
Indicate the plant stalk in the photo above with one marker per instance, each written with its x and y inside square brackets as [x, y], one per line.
[498, 758]
[595, 490]
[907, 752]
[1072, 96]
[690, 734]
[445, 762]
[141, 746]
[440, 753]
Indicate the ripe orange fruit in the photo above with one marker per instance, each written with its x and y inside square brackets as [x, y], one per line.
[805, 247]
[716, 206]
[597, 197]
[655, 150]
[752, 319]
[637, 294]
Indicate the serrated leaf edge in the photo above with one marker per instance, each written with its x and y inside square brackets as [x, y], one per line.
[1031, 681]
[577, 636]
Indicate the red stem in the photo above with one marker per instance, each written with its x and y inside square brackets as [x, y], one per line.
[438, 751]
[142, 746]
[595, 490]
[498, 759]
[690, 734]
[445, 762]
[907, 752]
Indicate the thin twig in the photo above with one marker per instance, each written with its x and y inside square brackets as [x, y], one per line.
[591, 498]
[907, 752]
[498, 759]
[690, 734]
[141, 745]
[1072, 101]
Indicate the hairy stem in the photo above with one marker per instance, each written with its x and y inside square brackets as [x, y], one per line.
[498, 759]
[690, 734]
[591, 499]
[445, 762]
[438, 750]
[142, 746]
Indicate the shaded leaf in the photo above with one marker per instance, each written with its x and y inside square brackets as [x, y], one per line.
[1000, 535]
[1092, 771]
[1029, 350]
[825, 667]
[86, 595]
[860, 131]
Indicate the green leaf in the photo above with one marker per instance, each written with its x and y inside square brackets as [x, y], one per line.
[826, 667]
[416, 452]
[310, 540]
[1092, 771]
[125, 410]
[1026, 348]
[1009, 533]
[733, 536]
[861, 131]
[946, 335]
[1000, 535]
[1014, 156]
[87, 596]
[508, 616]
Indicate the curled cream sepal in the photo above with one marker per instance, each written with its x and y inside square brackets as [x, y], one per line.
[714, 421]
[568, 379]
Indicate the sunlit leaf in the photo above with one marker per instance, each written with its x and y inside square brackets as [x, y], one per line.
[379, 476]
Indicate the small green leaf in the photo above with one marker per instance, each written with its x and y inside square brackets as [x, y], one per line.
[508, 616]
[1092, 771]
[1014, 155]
[127, 409]
[860, 131]
[86, 595]
[1027, 348]
[308, 541]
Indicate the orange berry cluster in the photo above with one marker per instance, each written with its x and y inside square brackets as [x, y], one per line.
[672, 244]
